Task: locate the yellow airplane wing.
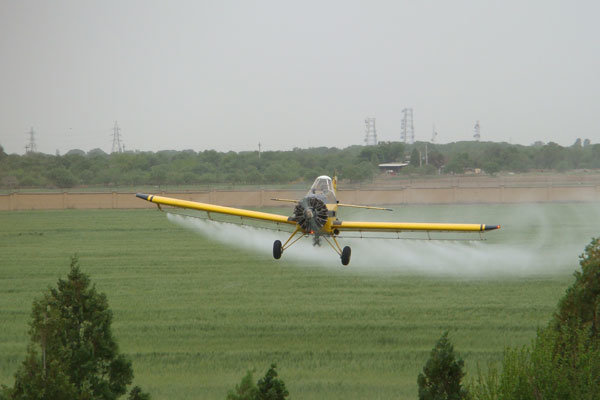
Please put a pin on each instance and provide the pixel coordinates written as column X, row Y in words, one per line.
column 212, row 208
column 410, row 226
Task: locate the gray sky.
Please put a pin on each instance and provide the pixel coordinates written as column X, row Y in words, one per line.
column 226, row 75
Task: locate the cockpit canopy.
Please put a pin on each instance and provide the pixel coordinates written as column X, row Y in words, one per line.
column 323, row 187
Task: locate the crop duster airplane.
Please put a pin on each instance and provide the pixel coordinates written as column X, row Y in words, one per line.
column 316, row 215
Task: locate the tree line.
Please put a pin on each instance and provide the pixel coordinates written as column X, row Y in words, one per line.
column 354, row 164
column 562, row 363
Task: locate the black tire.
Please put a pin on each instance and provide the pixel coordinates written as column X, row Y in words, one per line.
column 346, row 255
column 277, row 250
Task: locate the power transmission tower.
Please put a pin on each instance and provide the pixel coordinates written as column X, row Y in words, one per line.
column 370, row 132
column 477, row 132
column 433, row 134
column 407, row 127
column 117, row 147
column 31, row 147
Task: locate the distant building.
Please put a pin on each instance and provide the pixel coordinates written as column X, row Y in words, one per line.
column 392, row 167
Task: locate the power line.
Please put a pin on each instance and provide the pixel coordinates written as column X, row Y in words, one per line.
column 117, row 146
column 407, row 128
column 31, row 146
column 370, row 132
column 477, row 132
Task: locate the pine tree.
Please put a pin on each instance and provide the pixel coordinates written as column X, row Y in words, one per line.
column 246, row 390
column 72, row 354
column 270, row 387
column 580, row 307
column 442, row 374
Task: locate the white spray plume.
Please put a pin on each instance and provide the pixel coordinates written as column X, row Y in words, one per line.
column 547, row 250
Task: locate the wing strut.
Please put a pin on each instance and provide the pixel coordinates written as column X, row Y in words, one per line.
column 337, row 247
column 286, row 245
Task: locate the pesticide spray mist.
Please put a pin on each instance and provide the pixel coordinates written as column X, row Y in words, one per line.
column 535, row 240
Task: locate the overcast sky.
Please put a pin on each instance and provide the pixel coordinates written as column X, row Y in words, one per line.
column 227, row 75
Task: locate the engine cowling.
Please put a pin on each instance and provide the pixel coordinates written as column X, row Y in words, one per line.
column 311, row 214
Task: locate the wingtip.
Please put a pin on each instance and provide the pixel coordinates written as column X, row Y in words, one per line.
column 491, row 227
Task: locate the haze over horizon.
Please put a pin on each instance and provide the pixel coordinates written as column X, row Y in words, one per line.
column 227, row 75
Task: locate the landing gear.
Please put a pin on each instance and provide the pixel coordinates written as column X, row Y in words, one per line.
column 277, row 250
column 298, row 234
column 346, row 255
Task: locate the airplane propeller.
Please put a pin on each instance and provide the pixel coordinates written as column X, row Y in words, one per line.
column 311, row 214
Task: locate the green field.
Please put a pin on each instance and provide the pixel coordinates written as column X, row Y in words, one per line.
column 195, row 312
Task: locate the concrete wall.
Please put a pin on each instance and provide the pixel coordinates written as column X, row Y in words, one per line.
column 262, row 198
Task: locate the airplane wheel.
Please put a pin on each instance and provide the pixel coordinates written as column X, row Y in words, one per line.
column 346, row 255
column 277, row 250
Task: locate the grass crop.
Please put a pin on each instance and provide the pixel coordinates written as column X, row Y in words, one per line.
column 194, row 313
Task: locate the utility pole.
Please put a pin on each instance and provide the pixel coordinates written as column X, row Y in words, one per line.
column 370, row 132
column 259, row 150
column 31, row 146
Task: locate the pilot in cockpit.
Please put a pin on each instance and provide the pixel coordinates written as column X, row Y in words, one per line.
column 323, row 187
